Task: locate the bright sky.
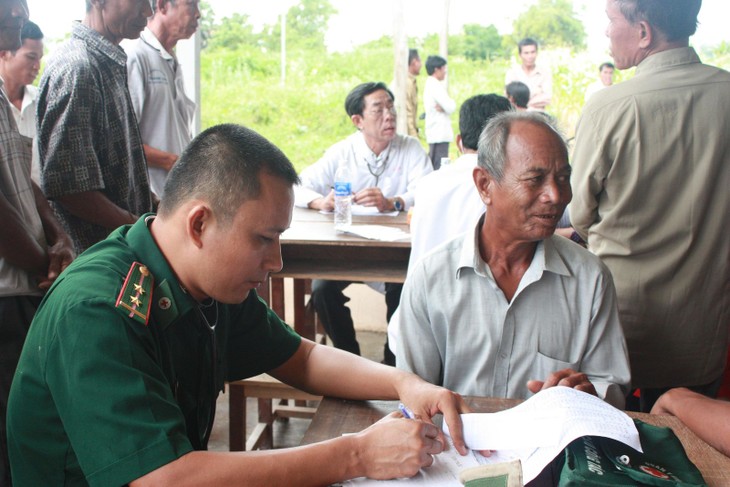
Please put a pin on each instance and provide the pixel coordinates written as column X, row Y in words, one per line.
column 358, row 22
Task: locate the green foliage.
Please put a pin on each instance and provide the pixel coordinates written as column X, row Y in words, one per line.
column 481, row 42
column 206, row 23
column 232, row 33
column 553, row 23
column 306, row 24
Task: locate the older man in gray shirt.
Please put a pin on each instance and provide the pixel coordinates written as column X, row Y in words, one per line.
column 509, row 308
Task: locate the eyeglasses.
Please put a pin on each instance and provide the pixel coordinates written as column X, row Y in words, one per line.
column 380, row 112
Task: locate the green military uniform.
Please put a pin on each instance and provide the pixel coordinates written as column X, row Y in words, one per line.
column 121, row 367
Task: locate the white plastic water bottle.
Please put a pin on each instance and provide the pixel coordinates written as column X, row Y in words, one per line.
column 343, row 198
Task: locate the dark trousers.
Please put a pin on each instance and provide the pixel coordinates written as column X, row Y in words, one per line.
column 649, row 395
column 436, row 152
column 16, row 313
column 330, row 304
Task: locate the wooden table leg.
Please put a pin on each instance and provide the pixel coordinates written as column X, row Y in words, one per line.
column 277, row 296
column 236, row 417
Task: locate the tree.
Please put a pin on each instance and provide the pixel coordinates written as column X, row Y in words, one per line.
column 306, row 24
column 206, row 24
column 552, row 23
column 233, row 32
column 481, row 42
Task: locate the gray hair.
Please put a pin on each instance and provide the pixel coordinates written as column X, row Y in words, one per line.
column 676, row 19
column 492, row 148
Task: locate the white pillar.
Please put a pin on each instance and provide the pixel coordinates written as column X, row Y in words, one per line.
column 400, row 42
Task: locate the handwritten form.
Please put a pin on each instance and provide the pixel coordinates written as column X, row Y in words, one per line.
column 534, row 432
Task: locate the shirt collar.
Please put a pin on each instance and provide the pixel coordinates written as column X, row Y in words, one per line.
column 98, row 43
column 546, row 258
column 363, row 151
column 151, row 40
column 170, row 300
column 668, row 58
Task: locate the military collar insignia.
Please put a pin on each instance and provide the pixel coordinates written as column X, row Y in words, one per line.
column 136, row 293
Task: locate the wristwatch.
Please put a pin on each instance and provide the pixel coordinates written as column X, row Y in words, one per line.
column 398, row 204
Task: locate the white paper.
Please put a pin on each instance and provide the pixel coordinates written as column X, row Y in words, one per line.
column 537, row 430
column 377, row 232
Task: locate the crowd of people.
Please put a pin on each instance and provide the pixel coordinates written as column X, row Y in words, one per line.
column 136, row 249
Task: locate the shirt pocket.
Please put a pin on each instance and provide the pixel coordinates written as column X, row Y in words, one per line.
column 546, row 365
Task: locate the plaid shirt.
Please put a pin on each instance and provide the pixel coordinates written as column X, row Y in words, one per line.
column 88, row 137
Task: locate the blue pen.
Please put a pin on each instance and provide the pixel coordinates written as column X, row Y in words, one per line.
column 407, row 413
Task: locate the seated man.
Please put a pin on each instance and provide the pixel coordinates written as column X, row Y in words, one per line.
column 385, row 167
column 509, row 308
column 118, row 380
column 518, row 93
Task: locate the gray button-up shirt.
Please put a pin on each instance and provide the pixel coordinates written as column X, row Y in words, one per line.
column 458, row 330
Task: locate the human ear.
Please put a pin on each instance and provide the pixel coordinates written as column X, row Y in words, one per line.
column 484, row 183
column 198, row 222
column 357, row 121
column 646, row 35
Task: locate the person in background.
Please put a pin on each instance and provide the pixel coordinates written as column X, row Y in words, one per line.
column 605, row 79
column 537, row 77
column 164, row 111
column 650, row 172
column 130, row 350
column 707, row 418
column 34, row 249
column 385, row 168
column 414, row 69
column 509, row 308
column 18, row 70
column 518, row 93
column 439, row 106
column 92, row 160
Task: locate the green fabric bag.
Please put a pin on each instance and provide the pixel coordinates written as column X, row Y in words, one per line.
column 598, row 461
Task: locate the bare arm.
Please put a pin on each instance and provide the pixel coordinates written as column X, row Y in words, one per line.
column 707, row 418
column 159, row 158
column 324, row 203
column 96, row 208
column 388, row 449
column 17, row 245
column 60, row 247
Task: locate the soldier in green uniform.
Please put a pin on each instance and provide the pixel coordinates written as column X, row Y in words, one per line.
column 122, row 366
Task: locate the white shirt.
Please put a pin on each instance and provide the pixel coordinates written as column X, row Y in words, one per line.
column 395, row 171
column 438, row 123
column 447, row 204
column 540, row 82
column 458, row 330
column 164, row 111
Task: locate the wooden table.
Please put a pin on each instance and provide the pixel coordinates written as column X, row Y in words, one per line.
column 311, row 249
column 337, row 416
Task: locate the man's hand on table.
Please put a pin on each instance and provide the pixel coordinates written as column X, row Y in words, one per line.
column 373, row 197
column 426, row 400
column 396, row 447
column 325, row 203
column 565, row 377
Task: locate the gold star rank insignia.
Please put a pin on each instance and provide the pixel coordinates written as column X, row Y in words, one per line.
column 139, row 282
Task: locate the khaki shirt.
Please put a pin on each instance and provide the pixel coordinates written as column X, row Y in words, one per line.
column 412, row 105
column 651, row 168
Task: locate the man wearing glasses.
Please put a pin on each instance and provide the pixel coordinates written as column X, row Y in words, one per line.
column 384, row 169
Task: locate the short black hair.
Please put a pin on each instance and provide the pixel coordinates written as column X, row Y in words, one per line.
column 31, row 31
column 355, row 101
column 606, row 65
column 676, row 19
column 474, row 114
column 412, row 54
column 434, row 62
column 519, row 92
column 222, row 165
column 527, row 41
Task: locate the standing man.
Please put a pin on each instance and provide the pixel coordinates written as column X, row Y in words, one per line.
column 164, row 111
column 509, row 308
column 34, row 249
column 119, row 377
column 538, row 78
column 439, row 106
column 414, row 69
column 18, row 69
column 92, row 159
column 651, row 172
column 605, row 79
column 385, row 168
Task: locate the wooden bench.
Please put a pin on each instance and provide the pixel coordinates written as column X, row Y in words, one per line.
column 272, row 396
